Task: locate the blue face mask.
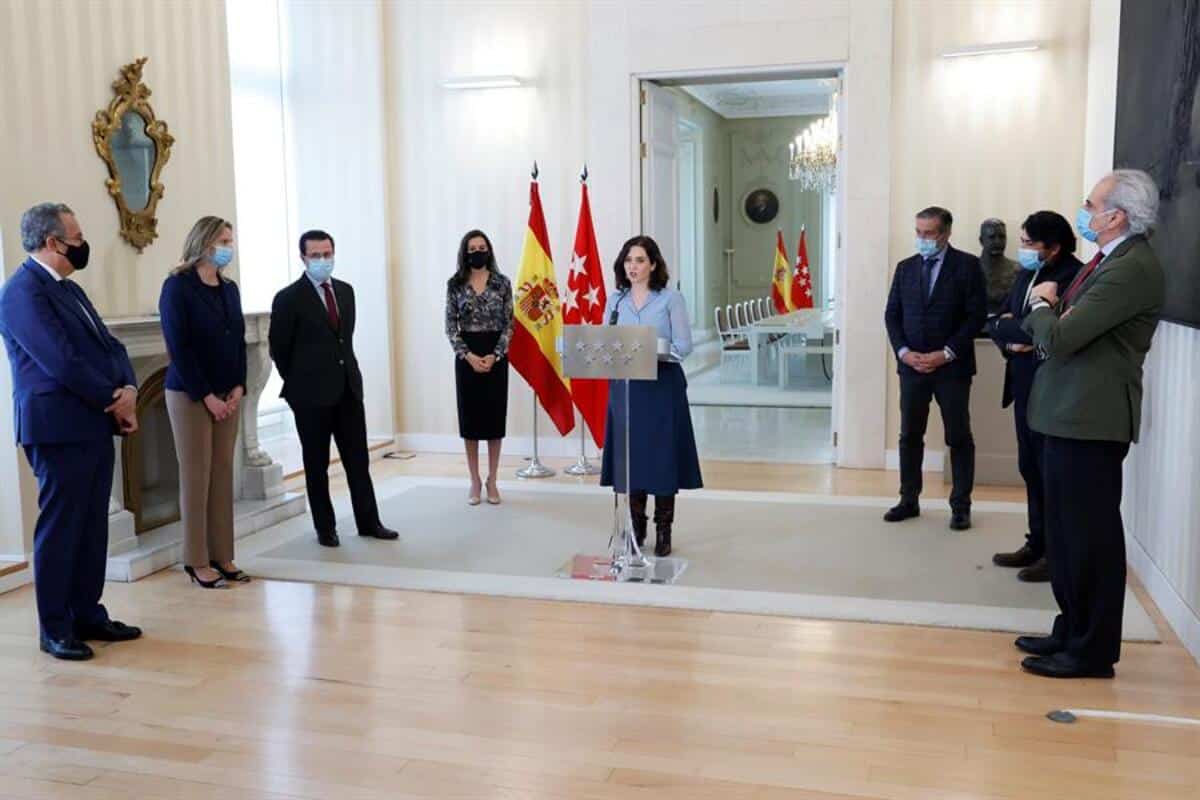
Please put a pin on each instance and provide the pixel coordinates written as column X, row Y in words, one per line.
column 1029, row 259
column 319, row 269
column 927, row 247
column 1083, row 225
column 221, row 256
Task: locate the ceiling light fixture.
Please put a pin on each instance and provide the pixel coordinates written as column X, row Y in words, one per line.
column 993, row 49
column 483, row 82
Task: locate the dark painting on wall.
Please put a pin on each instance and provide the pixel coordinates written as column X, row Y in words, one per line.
column 1158, row 130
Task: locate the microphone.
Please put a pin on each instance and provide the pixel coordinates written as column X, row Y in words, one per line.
column 612, row 318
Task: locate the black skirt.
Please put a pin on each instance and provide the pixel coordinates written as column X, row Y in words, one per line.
column 482, row 396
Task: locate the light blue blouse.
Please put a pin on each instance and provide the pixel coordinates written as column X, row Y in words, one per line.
column 664, row 310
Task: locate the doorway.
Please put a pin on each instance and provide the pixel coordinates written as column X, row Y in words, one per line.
column 717, row 191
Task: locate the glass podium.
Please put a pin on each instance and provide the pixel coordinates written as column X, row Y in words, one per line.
column 621, row 354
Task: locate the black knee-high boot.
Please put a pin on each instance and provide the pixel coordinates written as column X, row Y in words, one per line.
column 664, row 517
column 637, row 510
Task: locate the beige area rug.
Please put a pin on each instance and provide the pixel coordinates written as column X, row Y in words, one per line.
column 761, row 553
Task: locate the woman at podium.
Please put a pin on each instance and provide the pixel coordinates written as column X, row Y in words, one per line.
column 662, row 444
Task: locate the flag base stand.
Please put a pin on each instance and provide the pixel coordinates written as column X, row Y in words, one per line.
column 582, row 467
column 536, row 469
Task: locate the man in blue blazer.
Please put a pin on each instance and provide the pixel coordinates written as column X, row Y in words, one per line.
column 73, row 389
column 937, row 304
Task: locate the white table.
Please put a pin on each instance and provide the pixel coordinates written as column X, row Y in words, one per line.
column 814, row 323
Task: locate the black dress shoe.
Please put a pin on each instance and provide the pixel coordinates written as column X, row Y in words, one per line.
column 960, row 520
column 901, row 512
column 1039, row 645
column 1038, row 572
column 66, row 649
column 1021, row 558
column 381, row 533
column 1061, row 665
column 328, row 539
column 109, row 631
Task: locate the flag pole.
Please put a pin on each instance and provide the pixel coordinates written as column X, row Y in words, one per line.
column 583, row 466
column 535, row 469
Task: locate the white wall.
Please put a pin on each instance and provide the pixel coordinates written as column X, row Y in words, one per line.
column 991, row 136
column 335, row 129
column 309, row 126
column 460, row 159
column 1160, row 505
column 56, row 72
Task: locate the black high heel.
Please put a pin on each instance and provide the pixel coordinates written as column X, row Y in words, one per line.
column 215, row 583
column 237, row 575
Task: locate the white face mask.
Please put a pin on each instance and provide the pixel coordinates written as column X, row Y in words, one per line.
column 319, row 269
column 927, row 248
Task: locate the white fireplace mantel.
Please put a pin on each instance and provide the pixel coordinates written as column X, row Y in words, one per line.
column 258, row 479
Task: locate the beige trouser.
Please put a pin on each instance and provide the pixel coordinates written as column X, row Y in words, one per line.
column 204, row 448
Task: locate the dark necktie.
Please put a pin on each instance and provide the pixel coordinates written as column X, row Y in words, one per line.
column 1073, row 289
column 76, row 292
column 927, row 277
column 331, row 306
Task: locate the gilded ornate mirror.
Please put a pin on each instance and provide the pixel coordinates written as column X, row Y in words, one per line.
column 134, row 145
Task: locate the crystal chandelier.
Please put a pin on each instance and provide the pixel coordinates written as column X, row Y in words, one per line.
column 812, row 156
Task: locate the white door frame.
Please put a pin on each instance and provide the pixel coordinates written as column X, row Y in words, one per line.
column 690, row 279
column 864, row 187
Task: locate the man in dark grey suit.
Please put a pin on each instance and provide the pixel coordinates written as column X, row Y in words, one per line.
column 1087, row 402
column 936, row 306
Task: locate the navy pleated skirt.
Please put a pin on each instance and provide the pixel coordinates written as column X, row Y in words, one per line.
column 661, row 439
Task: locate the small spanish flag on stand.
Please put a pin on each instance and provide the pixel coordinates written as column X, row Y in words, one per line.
column 781, row 278
column 537, row 318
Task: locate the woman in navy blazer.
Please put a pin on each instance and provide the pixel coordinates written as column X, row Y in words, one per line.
column 205, row 331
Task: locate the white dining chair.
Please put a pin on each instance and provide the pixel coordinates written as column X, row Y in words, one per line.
column 735, row 350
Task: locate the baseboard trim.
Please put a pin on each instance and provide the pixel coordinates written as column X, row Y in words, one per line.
column 1179, row 615
column 935, row 460
column 548, row 447
column 14, row 575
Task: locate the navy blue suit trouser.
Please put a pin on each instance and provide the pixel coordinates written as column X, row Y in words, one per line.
column 70, row 541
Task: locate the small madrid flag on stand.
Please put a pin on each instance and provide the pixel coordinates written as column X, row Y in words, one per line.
column 802, row 287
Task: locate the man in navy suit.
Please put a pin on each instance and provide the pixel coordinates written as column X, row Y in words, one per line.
column 73, row 389
column 938, row 302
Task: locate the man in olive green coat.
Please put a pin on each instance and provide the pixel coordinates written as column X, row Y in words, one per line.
column 1087, row 402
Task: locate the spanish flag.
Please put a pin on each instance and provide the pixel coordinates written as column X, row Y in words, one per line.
column 781, row 278
column 537, row 318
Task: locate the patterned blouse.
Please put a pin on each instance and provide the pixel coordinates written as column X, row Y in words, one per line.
column 467, row 312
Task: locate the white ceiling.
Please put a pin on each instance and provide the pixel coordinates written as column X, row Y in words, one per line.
column 786, row 98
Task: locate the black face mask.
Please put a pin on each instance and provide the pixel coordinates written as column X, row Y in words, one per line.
column 478, row 259
column 77, row 254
